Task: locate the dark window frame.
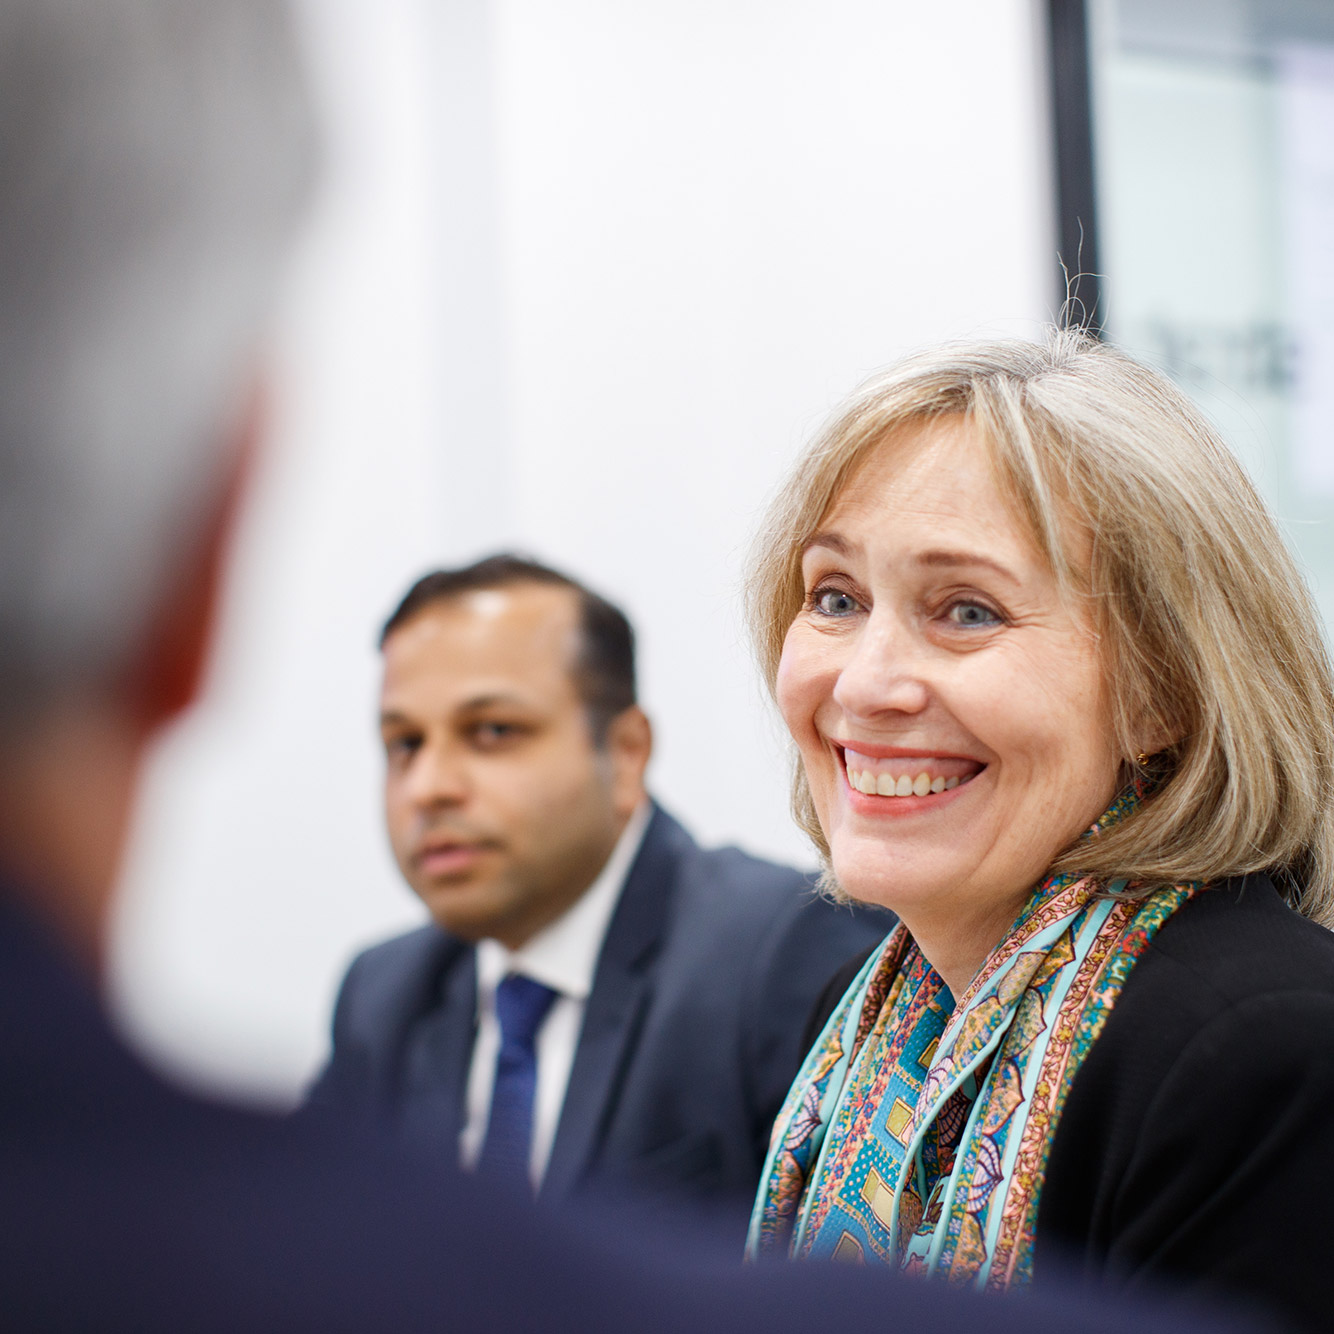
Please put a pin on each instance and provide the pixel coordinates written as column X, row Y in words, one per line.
column 1078, row 276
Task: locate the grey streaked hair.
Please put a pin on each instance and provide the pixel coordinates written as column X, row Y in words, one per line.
column 155, row 156
column 1208, row 632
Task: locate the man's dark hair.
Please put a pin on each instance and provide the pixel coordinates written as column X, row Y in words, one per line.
column 604, row 672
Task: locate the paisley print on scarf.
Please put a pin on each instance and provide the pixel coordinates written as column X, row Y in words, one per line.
column 918, row 1129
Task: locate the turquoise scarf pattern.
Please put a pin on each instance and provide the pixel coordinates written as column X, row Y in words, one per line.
column 917, row 1132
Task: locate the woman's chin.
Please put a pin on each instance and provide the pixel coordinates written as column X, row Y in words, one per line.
column 866, row 876
column 910, row 877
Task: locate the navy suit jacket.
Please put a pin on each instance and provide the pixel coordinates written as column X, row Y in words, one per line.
column 691, row 1036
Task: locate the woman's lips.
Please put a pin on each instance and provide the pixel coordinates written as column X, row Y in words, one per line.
column 902, row 775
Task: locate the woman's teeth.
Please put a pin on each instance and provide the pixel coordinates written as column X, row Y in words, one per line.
column 886, row 785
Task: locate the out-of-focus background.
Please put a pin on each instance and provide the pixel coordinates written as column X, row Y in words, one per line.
column 583, row 278
column 1214, row 172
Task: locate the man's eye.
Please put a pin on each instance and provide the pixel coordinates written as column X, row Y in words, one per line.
column 494, row 734
column 971, row 614
column 401, row 747
column 834, row 602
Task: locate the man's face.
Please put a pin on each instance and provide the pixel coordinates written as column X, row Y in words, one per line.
column 500, row 809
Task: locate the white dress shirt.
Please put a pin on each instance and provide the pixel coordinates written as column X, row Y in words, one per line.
column 564, row 957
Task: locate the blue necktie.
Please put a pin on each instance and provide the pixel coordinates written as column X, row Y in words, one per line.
column 521, row 1005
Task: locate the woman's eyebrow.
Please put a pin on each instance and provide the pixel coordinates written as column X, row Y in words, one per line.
column 936, row 558
column 951, row 559
column 831, row 541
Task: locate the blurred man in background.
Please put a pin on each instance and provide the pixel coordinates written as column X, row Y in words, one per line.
column 601, row 1005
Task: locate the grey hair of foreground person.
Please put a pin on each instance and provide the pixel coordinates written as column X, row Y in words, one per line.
column 154, row 162
column 1208, row 634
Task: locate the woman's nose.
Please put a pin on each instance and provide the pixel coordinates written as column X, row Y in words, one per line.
column 884, row 673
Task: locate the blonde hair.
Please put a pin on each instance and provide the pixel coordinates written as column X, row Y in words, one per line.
column 1207, row 631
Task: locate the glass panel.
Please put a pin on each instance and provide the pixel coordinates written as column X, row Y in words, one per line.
column 1214, row 160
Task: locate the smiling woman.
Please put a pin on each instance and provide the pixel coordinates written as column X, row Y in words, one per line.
column 1061, row 702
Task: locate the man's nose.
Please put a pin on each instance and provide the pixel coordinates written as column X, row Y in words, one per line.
column 885, row 672
column 438, row 777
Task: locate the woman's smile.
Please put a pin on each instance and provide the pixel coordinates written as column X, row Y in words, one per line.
column 898, row 775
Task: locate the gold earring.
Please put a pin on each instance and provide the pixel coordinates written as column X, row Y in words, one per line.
column 1142, row 759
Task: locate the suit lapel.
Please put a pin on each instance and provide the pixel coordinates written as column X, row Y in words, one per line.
column 437, row 1054
column 622, row 989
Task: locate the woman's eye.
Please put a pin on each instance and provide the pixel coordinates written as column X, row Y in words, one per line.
column 972, row 614
column 834, row 602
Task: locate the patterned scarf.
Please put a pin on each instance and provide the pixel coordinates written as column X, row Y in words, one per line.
column 917, row 1131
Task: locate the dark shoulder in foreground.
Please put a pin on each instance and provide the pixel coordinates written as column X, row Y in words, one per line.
column 1197, row 1144
column 133, row 1207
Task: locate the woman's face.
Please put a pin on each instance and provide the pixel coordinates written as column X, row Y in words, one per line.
column 936, row 659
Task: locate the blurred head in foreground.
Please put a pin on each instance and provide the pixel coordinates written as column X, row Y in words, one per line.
column 156, row 155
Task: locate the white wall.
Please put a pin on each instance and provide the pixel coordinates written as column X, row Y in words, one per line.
column 585, row 276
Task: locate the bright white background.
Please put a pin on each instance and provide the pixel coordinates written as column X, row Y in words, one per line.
column 584, row 276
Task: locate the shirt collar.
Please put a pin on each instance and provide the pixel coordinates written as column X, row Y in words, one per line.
column 564, row 955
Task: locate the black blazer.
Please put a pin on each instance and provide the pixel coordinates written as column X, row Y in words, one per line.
column 690, row 1039
column 1197, row 1144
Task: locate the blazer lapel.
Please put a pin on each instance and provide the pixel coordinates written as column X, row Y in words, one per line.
column 616, row 1005
column 436, row 1057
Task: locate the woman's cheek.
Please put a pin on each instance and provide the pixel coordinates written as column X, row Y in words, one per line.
column 797, row 687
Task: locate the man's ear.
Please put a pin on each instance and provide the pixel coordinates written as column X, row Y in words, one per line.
column 629, row 744
column 166, row 672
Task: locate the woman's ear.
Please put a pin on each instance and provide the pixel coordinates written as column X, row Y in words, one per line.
column 1153, row 738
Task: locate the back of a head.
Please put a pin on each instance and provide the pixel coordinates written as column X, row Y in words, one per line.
column 154, row 158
